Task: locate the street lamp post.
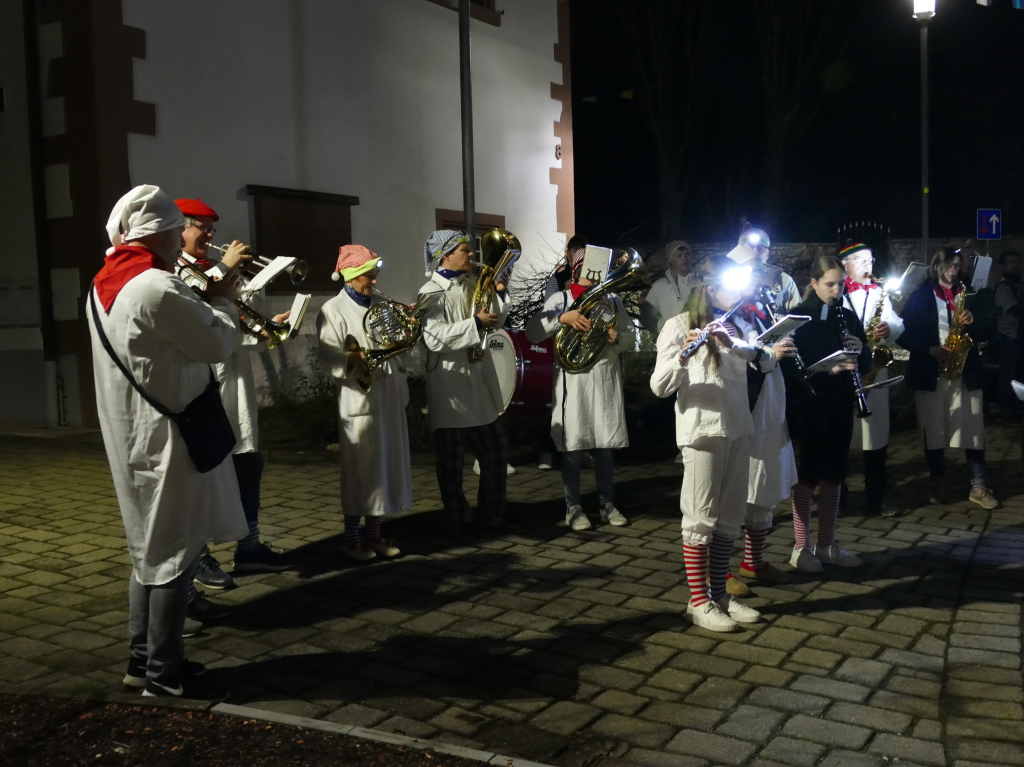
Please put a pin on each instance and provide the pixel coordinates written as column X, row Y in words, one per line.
column 924, row 10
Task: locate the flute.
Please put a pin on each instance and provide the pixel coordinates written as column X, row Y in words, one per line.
column 691, row 348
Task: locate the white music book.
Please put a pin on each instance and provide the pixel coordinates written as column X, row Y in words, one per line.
column 827, row 363
column 298, row 312
column 595, row 263
column 268, row 273
column 782, row 329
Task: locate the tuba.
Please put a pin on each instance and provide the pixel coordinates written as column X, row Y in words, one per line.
column 499, row 250
column 394, row 327
column 881, row 355
column 578, row 350
column 957, row 342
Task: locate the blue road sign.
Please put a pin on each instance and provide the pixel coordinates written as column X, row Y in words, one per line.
column 990, row 224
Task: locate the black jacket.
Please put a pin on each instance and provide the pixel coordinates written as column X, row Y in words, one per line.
column 816, row 340
column 921, row 333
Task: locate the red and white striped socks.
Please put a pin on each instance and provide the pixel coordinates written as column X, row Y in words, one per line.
column 803, row 496
column 828, row 510
column 753, row 549
column 696, row 559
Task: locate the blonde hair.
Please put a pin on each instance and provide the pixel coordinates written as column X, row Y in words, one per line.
column 698, row 306
column 942, row 260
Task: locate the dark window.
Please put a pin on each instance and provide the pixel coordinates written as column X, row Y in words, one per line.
column 481, row 10
column 455, row 219
column 307, row 225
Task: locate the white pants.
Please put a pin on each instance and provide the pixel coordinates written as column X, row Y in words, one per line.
column 714, row 493
column 872, row 433
column 759, row 517
column 950, row 416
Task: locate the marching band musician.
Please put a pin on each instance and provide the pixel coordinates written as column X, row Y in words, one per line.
column 949, row 407
column 238, row 393
column 863, row 296
column 826, row 428
column 668, row 295
column 167, row 337
column 463, row 396
column 588, row 413
column 713, row 429
column 760, row 245
column 376, row 474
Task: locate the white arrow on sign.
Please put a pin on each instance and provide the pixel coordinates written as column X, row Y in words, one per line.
column 994, row 220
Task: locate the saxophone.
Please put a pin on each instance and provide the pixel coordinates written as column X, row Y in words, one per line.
column 881, row 355
column 958, row 343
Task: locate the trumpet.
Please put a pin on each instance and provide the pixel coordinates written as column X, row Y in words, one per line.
column 297, row 271
column 253, row 323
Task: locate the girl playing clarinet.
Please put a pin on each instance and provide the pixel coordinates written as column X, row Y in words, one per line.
column 826, row 423
column 713, row 430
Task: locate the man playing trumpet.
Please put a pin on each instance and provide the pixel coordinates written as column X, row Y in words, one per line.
column 376, row 475
column 238, row 392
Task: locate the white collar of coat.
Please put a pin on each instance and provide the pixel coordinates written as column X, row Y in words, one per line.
column 445, row 283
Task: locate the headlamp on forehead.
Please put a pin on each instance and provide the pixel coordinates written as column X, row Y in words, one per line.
column 757, row 238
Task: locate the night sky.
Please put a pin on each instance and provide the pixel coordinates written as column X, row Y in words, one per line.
column 859, row 159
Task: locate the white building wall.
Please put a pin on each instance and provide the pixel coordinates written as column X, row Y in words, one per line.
column 354, row 97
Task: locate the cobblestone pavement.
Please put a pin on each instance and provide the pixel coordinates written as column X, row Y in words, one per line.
column 566, row 648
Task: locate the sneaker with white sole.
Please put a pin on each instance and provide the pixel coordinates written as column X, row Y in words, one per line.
column 361, row 553
column 982, row 496
column 837, row 555
column 805, row 561
column 738, row 611
column 612, row 516
column 262, row 558
column 385, row 547
column 181, row 686
column 576, row 519
column 135, row 676
column 210, row 574
column 545, row 462
column 509, row 468
column 710, row 616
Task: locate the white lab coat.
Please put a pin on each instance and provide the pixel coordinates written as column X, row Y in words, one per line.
column 168, row 338
column 376, row 474
column 872, row 433
column 460, row 394
column 668, row 295
column 709, row 402
column 589, row 410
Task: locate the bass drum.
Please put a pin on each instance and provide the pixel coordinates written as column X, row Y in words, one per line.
column 526, row 372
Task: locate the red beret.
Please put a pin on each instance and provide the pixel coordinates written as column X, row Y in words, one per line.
column 196, row 209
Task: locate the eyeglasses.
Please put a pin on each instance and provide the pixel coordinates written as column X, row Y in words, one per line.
column 201, row 227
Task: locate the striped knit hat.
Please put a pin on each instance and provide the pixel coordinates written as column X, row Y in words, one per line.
column 850, row 251
column 354, row 261
column 439, row 244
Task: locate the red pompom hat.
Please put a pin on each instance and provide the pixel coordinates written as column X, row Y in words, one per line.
column 196, row 209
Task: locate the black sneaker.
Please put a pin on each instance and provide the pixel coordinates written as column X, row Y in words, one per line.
column 262, row 558
column 135, row 677
column 180, row 686
column 209, row 573
column 192, row 628
column 202, row 609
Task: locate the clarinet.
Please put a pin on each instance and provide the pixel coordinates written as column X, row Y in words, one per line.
column 764, row 296
column 862, row 400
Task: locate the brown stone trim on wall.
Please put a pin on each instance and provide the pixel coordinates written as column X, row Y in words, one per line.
column 564, row 178
column 481, row 12
column 456, row 219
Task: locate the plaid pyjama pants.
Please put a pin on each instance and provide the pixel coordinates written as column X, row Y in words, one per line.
column 490, row 446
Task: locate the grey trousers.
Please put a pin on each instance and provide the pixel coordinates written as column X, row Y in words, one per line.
column 156, row 621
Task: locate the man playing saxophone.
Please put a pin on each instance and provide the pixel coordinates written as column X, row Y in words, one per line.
column 238, row 391
column 463, row 393
column 883, row 327
column 589, row 411
column 946, row 376
column 376, row 474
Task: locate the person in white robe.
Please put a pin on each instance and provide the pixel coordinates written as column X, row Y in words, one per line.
column 463, row 393
column 864, row 297
column 589, row 410
column 168, row 338
column 373, row 432
column 668, row 294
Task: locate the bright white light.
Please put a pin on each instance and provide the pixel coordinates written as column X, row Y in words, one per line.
column 893, row 284
column 924, row 9
column 736, row 280
column 754, row 239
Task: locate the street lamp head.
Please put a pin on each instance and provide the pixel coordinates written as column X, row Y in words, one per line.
column 924, row 9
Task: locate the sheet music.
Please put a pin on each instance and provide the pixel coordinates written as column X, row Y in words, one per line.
column 298, row 312
column 595, row 263
column 827, row 363
column 268, row 273
column 782, row 329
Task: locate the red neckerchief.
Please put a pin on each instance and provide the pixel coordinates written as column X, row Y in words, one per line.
column 946, row 294
column 852, row 287
column 749, row 311
column 125, row 263
column 576, row 289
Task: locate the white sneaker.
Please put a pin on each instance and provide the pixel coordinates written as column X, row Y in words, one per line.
column 576, row 519
column 837, row 555
column 612, row 516
column 805, row 561
column 509, row 468
column 545, row 462
column 738, row 611
column 710, row 616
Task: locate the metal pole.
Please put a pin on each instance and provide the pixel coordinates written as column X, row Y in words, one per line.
column 468, row 185
column 924, row 140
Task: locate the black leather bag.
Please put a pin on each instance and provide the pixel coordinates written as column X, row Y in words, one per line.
column 203, row 424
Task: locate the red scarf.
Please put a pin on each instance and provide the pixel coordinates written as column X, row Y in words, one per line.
column 853, row 287
column 946, row 294
column 576, row 289
column 125, row 263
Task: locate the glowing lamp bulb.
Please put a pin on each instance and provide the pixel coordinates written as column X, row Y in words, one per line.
column 924, row 9
column 736, row 280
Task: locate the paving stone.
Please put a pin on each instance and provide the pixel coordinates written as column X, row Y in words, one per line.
column 983, row 657
column 791, row 751
column 831, row 688
column 632, row 730
column 565, row 718
column 751, row 723
column 805, row 656
column 645, row 757
column 781, row 638
column 763, row 675
column 786, row 700
column 681, row 715
column 619, row 702
column 720, row 749
column 955, row 687
column 908, row 749
column 836, row 734
column 864, row 672
column 866, row 716
column 718, row 693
